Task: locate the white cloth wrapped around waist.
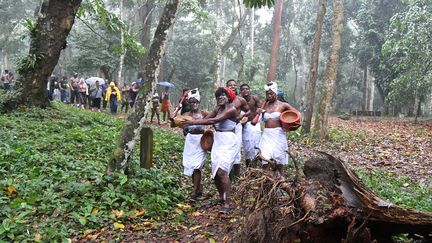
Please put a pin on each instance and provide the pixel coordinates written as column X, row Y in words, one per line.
column 274, row 145
column 223, row 151
column 238, row 132
column 251, row 139
column 193, row 154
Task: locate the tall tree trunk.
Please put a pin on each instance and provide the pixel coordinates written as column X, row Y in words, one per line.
column 295, row 80
column 146, row 14
column 371, row 92
column 122, row 46
column 48, row 38
column 252, row 33
column 240, row 50
column 365, row 88
column 416, row 105
column 321, row 121
column 223, row 49
column 271, row 75
column 135, row 121
column 215, row 69
column 313, row 69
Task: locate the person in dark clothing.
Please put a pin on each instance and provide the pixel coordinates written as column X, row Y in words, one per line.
column 74, row 88
column 63, row 86
column 105, row 87
column 133, row 92
column 52, row 85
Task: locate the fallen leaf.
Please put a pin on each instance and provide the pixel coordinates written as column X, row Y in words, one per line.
column 196, row 214
column 184, row 207
column 144, row 226
column 118, row 226
column 11, row 190
column 226, row 239
column 118, row 213
column 95, row 211
column 37, row 237
column 195, row 227
column 406, row 184
column 138, row 213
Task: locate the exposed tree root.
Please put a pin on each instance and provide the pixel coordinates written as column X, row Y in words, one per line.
column 327, row 204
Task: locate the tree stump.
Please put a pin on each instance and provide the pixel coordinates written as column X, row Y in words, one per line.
column 329, row 204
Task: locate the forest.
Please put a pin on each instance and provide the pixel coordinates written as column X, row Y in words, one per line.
column 358, row 72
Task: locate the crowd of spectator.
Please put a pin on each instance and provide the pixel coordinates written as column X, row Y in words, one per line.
column 92, row 93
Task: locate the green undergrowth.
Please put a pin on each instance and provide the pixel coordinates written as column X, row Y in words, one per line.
column 399, row 190
column 53, row 184
column 394, row 188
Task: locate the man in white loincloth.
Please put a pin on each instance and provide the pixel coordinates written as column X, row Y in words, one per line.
column 243, row 109
column 251, row 133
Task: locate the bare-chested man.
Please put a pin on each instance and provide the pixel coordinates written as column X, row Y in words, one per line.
column 243, row 109
column 251, row 134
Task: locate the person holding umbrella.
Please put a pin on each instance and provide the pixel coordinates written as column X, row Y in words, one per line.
column 166, row 104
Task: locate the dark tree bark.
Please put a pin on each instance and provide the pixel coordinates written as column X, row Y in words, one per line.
column 48, row 38
column 324, row 105
column 313, row 70
column 271, row 75
column 135, row 121
column 107, row 72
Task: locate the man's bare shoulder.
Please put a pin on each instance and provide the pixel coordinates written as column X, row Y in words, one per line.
column 241, row 99
column 255, row 97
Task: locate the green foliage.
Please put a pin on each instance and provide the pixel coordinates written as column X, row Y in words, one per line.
column 259, row 3
column 409, row 49
column 55, row 186
column 112, row 23
column 28, row 62
column 9, row 99
column 30, row 26
column 193, row 6
column 398, row 190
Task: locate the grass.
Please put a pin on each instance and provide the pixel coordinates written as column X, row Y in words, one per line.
column 55, row 187
column 399, row 190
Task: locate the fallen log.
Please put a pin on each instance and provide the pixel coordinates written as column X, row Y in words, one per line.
column 326, row 204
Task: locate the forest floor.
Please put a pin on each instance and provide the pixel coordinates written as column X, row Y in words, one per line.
column 398, row 148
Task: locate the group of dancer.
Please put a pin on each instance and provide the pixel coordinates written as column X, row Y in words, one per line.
column 233, row 122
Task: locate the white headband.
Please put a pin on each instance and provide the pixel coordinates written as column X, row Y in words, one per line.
column 195, row 95
column 271, row 86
